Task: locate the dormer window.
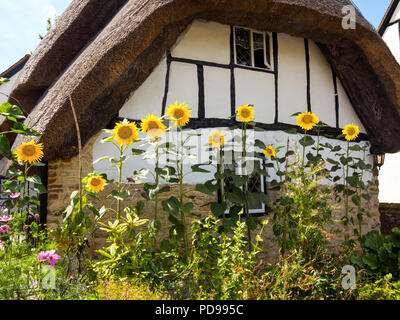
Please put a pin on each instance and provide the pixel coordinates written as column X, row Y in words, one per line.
column 252, row 48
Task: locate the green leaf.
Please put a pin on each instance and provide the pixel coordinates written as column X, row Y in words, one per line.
column 218, row 209
column 171, row 206
column 20, row 128
column 5, row 148
column 306, row 141
column 137, row 152
column 119, row 195
column 196, row 168
column 260, row 144
column 236, row 196
column 371, row 260
column 187, row 207
column 204, row 189
column 291, row 131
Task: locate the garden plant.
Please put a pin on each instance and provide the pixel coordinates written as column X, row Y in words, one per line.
column 175, row 251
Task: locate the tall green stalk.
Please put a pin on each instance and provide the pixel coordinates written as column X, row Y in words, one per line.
column 179, row 163
column 346, row 193
column 121, row 152
column 246, row 185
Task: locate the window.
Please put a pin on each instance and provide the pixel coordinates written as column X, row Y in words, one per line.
column 255, row 184
column 252, row 48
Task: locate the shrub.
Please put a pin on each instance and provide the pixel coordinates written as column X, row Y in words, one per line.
column 381, row 254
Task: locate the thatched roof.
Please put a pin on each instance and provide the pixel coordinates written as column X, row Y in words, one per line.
column 101, row 50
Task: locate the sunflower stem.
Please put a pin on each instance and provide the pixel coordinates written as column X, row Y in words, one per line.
column 121, row 151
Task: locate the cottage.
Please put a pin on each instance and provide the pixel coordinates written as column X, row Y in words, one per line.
column 126, row 59
column 389, row 176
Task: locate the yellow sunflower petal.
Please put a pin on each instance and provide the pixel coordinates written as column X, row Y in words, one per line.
column 96, row 183
column 29, row 152
column 269, row 151
column 179, row 113
column 307, row 120
column 125, row 133
column 351, row 132
column 245, row 113
column 217, row 139
column 153, row 126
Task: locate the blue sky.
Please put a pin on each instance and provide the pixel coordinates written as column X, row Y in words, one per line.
column 22, row 21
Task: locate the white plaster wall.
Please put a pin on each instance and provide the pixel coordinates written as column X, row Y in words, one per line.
column 392, row 39
column 210, row 41
column 148, row 97
column 322, row 87
column 201, row 155
column 292, row 77
column 347, row 114
column 217, row 83
column 396, row 14
column 256, row 88
column 389, row 179
column 183, row 86
column 204, row 40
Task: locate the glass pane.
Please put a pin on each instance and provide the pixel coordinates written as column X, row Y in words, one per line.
column 243, row 47
column 255, row 186
column 259, row 50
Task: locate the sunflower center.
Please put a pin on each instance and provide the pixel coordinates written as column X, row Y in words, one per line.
column 351, row 131
column 308, row 119
column 152, row 125
column 29, row 150
column 95, row 182
column 125, row 132
column 178, row 113
column 216, row 138
column 245, row 113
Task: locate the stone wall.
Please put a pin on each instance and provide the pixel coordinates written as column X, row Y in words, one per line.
column 390, row 216
column 64, row 179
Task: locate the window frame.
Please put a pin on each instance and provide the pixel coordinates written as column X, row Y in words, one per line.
column 270, row 66
column 263, row 209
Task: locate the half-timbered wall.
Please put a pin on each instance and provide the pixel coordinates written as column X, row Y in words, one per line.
column 392, row 34
column 201, row 71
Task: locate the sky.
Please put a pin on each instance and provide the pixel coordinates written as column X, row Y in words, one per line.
column 23, row 20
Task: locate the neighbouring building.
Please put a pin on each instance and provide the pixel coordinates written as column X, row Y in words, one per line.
column 389, row 178
column 125, row 59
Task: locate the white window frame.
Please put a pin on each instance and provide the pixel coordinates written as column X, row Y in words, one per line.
column 270, row 66
column 262, row 179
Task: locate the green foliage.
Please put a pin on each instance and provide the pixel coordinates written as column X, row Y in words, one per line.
column 382, row 289
column 381, row 254
column 302, row 212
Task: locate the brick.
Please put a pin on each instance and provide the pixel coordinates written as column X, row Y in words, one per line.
column 52, row 174
column 52, row 197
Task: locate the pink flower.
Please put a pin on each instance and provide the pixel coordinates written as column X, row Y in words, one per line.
column 43, row 256
column 50, row 256
column 15, row 195
column 4, row 229
column 53, row 257
column 6, row 218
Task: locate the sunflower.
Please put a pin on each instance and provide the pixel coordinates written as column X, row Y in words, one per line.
column 351, row 132
column 96, row 183
column 307, row 120
column 179, row 113
column 153, row 126
column 217, row 139
column 29, row 152
column 125, row 132
column 269, row 151
column 245, row 113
